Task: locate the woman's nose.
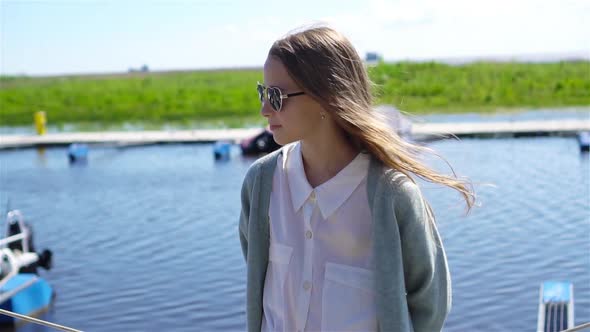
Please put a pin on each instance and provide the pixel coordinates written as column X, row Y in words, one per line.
column 266, row 109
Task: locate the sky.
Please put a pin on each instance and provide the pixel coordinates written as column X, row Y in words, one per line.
column 81, row 37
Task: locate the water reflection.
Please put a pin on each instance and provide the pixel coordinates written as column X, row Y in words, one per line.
column 41, row 157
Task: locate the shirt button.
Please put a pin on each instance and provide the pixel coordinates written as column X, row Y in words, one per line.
column 307, row 285
column 312, row 196
column 308, row 234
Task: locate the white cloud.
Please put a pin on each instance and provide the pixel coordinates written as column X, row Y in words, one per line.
column 450, row 28
column 402, row 11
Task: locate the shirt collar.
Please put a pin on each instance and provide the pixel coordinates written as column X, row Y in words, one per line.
column 331, row 194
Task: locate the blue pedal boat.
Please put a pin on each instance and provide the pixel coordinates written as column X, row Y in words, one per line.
column 556, row 306
column 22, row 289
column 25, row 294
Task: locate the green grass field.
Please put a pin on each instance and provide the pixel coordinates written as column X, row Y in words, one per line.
column 228, row 97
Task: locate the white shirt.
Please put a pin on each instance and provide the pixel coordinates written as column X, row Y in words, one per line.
column 319, row 273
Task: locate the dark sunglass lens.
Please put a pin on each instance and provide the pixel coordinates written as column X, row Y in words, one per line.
column 274, row 96
column 260, row 89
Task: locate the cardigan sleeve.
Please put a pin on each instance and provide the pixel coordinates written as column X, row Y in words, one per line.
column 426, row 273
column 251, row 183
column 245, row 210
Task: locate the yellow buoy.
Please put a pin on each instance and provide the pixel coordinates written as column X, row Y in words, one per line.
column 40, row 122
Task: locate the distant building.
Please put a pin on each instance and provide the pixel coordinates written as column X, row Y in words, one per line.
column 373, row 57
column 143, row 69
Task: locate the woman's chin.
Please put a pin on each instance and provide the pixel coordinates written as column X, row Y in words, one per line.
column 281, row 139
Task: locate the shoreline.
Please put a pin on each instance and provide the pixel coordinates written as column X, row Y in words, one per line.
column 250, row 122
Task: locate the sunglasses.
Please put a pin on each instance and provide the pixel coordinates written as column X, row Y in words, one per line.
column 274, row 96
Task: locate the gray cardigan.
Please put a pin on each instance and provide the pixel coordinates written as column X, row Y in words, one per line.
column 412, row 282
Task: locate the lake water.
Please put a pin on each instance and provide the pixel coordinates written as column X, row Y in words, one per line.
column 145, row 238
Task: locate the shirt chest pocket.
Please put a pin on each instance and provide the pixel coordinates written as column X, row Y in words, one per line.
column 348, row 299
column 279, row 257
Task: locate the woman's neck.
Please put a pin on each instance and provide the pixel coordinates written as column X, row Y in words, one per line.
column 326, row 155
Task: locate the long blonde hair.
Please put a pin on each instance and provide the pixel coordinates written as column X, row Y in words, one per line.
column 327, row 67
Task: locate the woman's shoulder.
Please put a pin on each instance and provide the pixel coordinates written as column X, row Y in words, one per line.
column 394, row 181
column 399, row 187
column 267, row 161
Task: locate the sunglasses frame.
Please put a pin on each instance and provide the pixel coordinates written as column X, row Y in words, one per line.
column 263, row 95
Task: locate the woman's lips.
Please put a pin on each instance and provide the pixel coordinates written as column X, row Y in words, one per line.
column 273, row 127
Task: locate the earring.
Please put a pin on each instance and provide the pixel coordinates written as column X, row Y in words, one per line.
column 323, row 115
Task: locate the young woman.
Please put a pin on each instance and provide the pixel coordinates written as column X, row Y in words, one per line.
column 335, row 232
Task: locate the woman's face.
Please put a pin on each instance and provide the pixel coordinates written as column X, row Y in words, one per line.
column 299, row 116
